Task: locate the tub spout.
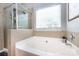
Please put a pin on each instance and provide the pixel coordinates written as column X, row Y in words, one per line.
column 46, row 41
column 64, row 39
column 72, row 37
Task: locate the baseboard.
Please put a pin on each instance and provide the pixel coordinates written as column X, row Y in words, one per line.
column 4, row 49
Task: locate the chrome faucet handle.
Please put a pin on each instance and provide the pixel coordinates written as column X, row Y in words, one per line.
column 72, row 36
column 46, row 41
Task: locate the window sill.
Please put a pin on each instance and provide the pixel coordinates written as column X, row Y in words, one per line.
column 50, row 29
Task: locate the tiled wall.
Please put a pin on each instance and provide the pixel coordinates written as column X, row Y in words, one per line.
column 1, row 30
column 75, row 39
column 73, row 28
column 50, row 33
column 15, row 36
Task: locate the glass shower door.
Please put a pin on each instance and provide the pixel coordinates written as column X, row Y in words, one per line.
column 23, row 17
column 10, row 14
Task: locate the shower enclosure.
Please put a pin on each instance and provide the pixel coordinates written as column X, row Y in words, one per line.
column 17, row 16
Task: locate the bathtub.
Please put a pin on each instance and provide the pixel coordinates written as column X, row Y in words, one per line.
column 46, row 46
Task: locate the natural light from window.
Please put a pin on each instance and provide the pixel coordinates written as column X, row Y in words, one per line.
column 49, row 17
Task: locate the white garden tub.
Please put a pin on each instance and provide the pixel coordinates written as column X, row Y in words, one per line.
column 47, row 46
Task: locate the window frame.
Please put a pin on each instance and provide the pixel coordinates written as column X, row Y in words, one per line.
column 47, row 29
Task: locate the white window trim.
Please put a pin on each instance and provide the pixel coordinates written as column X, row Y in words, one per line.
column 46, row 29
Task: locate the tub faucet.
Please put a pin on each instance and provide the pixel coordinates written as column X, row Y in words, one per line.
column 72, row 37
column 65, row 39
column 46, row 41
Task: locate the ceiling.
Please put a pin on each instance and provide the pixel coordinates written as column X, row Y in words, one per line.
column 3, row 5
column 34, row 5
column 38, row 5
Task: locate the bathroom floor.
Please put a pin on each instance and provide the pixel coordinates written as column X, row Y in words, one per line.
column 3, row 54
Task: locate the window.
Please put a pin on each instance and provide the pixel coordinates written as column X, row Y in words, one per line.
column 49, row 17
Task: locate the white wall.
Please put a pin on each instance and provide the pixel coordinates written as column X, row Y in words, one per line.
column 73, row 26
column 63, row 17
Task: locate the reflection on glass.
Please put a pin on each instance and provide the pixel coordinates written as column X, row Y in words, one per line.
column 23, row 17
column 14, row 18
column 23, row 20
